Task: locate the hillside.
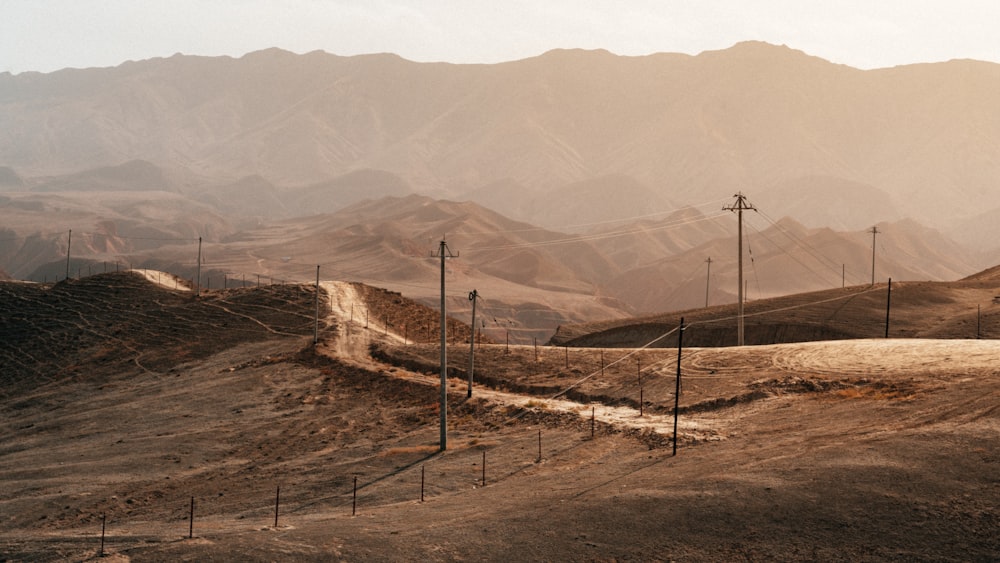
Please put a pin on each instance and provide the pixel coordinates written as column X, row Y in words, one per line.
column 532, row 279
column 222, row 407
column 965, row 309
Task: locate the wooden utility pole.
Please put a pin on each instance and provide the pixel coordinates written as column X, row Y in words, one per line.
column 444, row 253
column 197, row 283
column 708, row 278
column 874, row 232
column 888, row 300
column 739, row 206
column 69, row 243
column 316, row 330
column 473, row 296
column 677, row 388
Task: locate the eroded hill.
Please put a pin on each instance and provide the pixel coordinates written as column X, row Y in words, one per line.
column 860, row 449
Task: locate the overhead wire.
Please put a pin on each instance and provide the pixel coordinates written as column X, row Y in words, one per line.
column 599, row 236
column 634, row 351
column 681, row 285
column 571, row 226
column 790, row 255
column 753, row 266
column 804, row 244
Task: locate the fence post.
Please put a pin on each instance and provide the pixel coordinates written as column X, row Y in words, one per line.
column 277, row 497
column 677, row 390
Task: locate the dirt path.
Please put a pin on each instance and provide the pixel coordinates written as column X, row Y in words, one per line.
column 353, row 341
column 163, row 279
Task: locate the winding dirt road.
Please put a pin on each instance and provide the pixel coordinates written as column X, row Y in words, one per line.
column 353, row 342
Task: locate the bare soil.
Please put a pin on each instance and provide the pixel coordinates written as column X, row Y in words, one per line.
column 963, row 309
column 124, row 399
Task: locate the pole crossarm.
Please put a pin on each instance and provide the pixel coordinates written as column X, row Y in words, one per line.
column 739, row 206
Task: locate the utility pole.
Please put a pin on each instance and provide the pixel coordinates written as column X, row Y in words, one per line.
column 197, row 283
column 316, row 331
column 874, row 232
column 739, row 206
column 444, row 253
column 473, row 296
column 888, row 300
column 69, row 242
column 677, row 388
column 708, row 277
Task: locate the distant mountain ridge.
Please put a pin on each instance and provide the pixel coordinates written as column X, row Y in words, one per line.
column 919, row 139
column 578, row 184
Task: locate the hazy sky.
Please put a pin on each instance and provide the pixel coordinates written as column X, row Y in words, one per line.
column 47, row 35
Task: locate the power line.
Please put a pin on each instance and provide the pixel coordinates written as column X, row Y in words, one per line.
column 790, row 255
column 597, row 236
column 804, row 244
column 571, row 226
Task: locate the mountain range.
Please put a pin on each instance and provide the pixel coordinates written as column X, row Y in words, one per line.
column 576, row 184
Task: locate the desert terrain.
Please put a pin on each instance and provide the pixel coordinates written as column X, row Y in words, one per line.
column 127, row 400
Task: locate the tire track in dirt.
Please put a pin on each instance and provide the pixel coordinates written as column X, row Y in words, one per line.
column 353, row 345
column 734, row 367
column 848, row 358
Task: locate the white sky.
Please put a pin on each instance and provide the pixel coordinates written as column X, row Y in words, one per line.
column 46, row 35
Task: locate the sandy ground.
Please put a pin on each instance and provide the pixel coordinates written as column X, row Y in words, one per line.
column 163, row 279
column 861, row 450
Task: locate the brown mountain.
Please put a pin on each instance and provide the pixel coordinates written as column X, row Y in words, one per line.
column 535, row 279
column 9, row 178
column 782, row 257
column 609, row 173
column 755, row 117
column 530, row 279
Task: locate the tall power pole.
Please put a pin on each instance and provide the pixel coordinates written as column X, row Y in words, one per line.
column 197, row 274
column 473, row 296
column 69, row 242
column 874, row 232
column 444, row 253
column 708, row 277
column 316, row 329
column 739, row 206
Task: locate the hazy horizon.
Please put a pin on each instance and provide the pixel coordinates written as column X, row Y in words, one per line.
column 49, row 35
